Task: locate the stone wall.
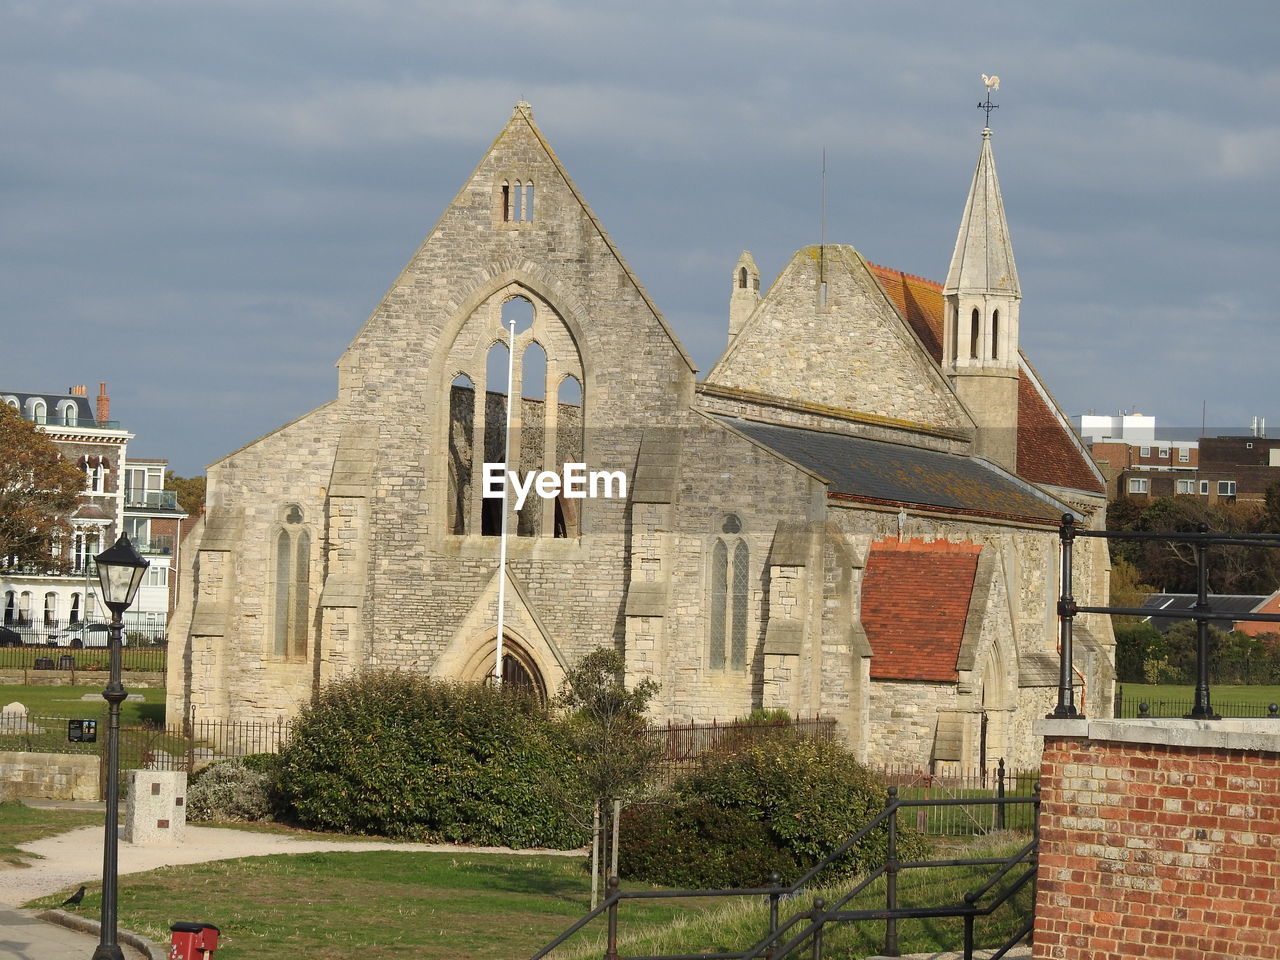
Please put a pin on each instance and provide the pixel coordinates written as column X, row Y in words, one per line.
column 1159, row 839
column 57, row 776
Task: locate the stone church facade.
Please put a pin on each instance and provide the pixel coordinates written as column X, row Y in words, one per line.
column 853, row 514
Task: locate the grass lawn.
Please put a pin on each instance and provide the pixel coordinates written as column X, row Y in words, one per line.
column 1223, row 697
column 373, row 905
column 22, row 824
column 734, row 926
column 43, row 700
column 379, row 905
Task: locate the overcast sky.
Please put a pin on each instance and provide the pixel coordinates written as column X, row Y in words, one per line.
column 201, row 203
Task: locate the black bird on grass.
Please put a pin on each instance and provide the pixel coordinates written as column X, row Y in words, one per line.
column 74, row 899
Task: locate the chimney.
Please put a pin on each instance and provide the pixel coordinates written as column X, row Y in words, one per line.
column 104, row 403
column 80, row 390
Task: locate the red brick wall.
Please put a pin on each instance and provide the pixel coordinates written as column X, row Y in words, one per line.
column 1159, row 852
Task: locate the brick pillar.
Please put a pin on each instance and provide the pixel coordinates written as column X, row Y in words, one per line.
column 1159, row 839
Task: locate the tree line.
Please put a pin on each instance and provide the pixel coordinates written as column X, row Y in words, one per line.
column 1171, row 567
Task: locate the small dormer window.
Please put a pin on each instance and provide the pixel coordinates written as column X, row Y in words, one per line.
column 39, row 412
column 67, row 413
column 742, row 278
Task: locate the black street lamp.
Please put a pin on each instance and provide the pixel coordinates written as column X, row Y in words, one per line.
column 120, row 571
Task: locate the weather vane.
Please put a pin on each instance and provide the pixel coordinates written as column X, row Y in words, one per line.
column 993, row 83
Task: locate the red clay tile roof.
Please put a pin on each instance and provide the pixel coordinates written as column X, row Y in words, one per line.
column 917, row 299
column 1046, row 452
column 915, row 600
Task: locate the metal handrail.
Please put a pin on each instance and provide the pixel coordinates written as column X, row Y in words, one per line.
column 1201, row 539
column 820, row 915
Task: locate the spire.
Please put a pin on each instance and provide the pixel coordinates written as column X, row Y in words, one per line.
column 983, row 258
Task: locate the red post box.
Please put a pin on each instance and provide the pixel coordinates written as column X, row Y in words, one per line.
column 192, row 941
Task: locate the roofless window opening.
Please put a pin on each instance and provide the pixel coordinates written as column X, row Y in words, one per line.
column 517, row 201
column 569, row 449
column 533, row 434
column 495, row 433
column 462, row 416
column 974, row 324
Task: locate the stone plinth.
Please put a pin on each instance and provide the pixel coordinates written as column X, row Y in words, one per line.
column 1159, row 838
column 156, row 808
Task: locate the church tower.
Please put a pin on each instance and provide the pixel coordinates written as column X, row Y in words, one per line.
column 746, row 294
column 980, row 339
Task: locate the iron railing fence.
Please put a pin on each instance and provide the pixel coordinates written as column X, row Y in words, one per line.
column 180, row 746
column 685, row 744
column 955, row 820
column 802, row 933
column 1200, row 541
column 144, row 658
column 1172, row 707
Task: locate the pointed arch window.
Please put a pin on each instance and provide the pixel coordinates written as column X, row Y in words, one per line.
column 543, row 380
column 729, row 608
column 291, row 586
column 995, row 335
column 975, row 324
column 742, row 278
column 462, row 409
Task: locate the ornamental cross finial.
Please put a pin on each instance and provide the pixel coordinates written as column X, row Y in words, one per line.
column 993, row 83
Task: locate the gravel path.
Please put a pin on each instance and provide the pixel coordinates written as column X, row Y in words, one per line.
column 73, row 858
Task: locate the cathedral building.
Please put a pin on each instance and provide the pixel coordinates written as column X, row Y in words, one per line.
column 854, row 513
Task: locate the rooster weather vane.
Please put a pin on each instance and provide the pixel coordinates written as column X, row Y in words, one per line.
column 993, row 83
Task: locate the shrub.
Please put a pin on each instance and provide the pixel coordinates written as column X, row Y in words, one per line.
column 698, row 845
column 402, row 755
column 229, row 790
column 805, row 797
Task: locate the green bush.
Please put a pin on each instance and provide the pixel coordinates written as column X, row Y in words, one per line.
column 402, row 755
column 805, row 798
column 697, row 845
column 229, row 790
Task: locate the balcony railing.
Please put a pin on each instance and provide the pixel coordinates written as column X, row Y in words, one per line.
column 152, row 499
column 162, row 545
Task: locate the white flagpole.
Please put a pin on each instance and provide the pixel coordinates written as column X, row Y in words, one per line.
column 506, row 466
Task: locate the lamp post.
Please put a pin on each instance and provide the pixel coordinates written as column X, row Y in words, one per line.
column 120, row 571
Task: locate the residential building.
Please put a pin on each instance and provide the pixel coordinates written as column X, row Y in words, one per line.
column 119, row 495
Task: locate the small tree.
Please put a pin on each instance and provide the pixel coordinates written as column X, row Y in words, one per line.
column 38, row 491
column 615, row 754
column 190, row 490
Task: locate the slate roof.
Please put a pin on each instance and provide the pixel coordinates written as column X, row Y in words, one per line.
column 84, row 412
column 1218, row 603
column 915, row 601
column 1047, row 453
column 858, row 468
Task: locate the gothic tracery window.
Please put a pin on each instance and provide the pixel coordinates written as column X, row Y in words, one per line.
column 730, row 580
column 292, row 586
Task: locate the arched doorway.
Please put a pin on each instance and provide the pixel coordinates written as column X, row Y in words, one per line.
column 519, row 667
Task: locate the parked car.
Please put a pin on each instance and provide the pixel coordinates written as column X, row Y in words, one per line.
column 10, row 638
column 83, row 635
